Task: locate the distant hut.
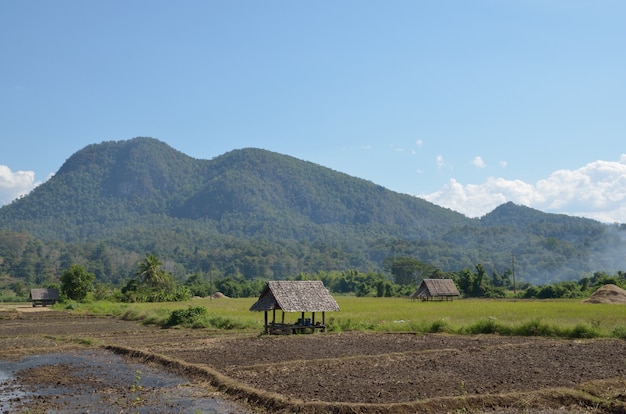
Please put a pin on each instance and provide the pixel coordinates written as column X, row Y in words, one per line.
column 44, row 296
column 441, row 289
column 295, row 296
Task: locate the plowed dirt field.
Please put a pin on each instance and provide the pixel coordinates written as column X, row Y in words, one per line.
column 334, row 372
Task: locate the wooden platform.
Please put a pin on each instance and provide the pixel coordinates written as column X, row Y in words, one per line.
column 288, row 329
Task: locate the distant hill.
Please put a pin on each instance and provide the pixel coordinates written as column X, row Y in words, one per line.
column 257, row 213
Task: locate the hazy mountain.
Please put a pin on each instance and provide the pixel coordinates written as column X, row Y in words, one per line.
column 286, row 215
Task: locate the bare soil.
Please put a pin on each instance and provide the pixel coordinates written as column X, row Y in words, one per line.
column 336, row 373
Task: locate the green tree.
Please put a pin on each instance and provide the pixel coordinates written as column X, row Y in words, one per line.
column 152, row 284
column 76, row 282
column 150, row 272
column 407, row 270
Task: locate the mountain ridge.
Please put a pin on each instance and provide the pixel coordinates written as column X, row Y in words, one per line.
column 142, row 195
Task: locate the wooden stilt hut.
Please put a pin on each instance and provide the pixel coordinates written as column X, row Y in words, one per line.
column 442, row 289
column 44, row 296
column 295, row 296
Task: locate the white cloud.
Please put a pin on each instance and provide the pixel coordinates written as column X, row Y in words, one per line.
column 596, row 190
column 440, row 163
column 478, row 162
column 15, row 184
column 419, row 143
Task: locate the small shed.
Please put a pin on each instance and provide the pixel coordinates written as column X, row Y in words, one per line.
column 440, row 289
column 295, row 296
column 43, row 296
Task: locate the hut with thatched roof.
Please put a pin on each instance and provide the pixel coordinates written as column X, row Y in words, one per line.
column 441, row 289
column 295, row 296
column 43, row 296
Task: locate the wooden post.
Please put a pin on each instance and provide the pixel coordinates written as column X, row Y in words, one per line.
column 267, row 329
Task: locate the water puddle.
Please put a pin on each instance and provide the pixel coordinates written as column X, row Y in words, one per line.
column 100, row 381
column 7, row 393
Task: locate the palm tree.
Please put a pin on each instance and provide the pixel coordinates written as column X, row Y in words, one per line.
column 150, row 271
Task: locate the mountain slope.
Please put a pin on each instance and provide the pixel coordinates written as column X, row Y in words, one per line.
column 255, row 184
column 257, row 213
column 252, row 192
column 103, row 188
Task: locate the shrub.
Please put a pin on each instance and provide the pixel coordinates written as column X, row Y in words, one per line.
column 619, row 332
column 583, row 331
column 222, row 322
column 488, row 326
column 187, row 317
column 535, row 328
column 439, row 326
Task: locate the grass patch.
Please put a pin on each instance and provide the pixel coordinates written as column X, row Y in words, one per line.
column 84, row 341
column 198, row 317
column 568, row 318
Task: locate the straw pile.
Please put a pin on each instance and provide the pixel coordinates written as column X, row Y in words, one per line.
column 608, row 294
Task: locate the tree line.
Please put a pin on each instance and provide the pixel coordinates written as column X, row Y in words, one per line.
column 151, row 283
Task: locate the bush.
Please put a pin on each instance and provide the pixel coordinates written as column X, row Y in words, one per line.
column 488, row 326
column 619, row 332
column 222, row 322
column 187, row 317
column 535, row 328
column 439, row 326
column 583, row 331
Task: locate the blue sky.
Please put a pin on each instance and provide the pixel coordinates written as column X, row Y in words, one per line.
column 468, row 104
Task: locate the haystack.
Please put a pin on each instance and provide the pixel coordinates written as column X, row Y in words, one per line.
column 608, row 294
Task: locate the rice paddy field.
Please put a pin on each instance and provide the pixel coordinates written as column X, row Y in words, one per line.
column 464, row 316
column 380, row 355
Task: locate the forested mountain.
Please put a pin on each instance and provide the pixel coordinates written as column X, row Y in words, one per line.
column 254, row 213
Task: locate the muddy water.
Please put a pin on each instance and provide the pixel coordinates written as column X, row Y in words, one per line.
column 102, row 382
column 7, row 393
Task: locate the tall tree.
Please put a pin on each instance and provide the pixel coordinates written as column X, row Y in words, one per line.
column 76, row 282
column 407, row 270
column 150, row 272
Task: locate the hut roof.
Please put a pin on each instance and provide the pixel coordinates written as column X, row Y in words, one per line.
column 436, row 287
column 44, row 294
column 295, row 296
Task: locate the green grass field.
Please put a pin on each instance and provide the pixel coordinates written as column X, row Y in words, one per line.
column 562, row 318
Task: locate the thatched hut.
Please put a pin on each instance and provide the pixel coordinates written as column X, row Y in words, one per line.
column 43, row 296
column 295, row 296
column 441, row 289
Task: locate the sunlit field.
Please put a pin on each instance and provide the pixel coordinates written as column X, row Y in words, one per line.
column 396, row 314
column 569, row 318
